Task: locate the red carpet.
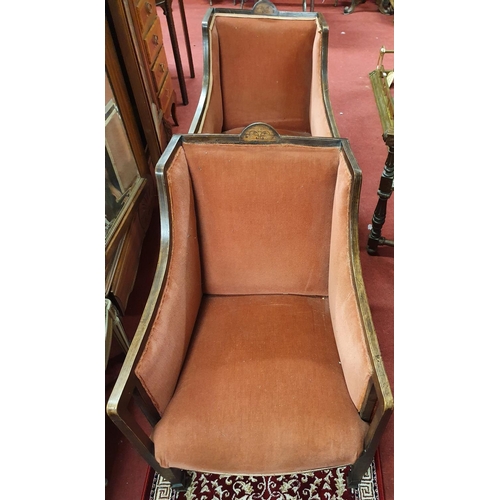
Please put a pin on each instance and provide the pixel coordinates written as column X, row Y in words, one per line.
column 354, row 44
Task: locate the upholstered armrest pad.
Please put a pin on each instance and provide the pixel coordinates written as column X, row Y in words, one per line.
column 347, row 321
column 161, row 361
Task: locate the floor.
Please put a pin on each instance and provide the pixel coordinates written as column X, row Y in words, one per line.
column 354, row 43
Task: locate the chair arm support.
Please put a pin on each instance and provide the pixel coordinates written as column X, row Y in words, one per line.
column 141, row 442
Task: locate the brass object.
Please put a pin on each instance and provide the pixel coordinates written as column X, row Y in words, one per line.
column 264, row 7
column 259, row 132
column 382, row 80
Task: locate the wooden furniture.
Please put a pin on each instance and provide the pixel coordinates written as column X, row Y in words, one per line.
column 166, row 6
column 256, row 352
column 384, row 6
column 382, row 81
column 138, row 100
column 128, row 185
column 136, row 27
column 283, row 80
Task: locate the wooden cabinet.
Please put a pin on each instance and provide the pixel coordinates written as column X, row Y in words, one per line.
column 157, row 58
column 136, row 31
column 138, row 102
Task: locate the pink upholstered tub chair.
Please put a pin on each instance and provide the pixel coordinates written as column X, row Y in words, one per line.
column 256, row 353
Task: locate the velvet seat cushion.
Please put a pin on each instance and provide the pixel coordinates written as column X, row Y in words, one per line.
column 261, row 391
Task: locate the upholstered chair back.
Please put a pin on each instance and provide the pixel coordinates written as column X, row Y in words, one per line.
column 265, row 68
column 255, row 220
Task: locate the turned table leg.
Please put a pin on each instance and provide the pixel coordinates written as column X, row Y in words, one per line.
column 166, row 6
column 186, row 38
column 384, row 193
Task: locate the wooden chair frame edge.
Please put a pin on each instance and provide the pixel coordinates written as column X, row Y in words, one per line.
column 381, row 386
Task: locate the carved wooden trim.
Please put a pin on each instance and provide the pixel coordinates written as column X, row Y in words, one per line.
column 265, row 7
column 259, row 132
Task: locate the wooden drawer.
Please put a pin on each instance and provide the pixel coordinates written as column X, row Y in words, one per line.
column 146, row 14
column 153, row 41
column 166, row 95
column 160, row 69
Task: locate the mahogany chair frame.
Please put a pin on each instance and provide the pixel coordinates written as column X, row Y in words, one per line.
column 378, row 405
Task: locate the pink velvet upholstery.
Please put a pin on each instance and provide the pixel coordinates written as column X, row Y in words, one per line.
column 264, row 69
column 257, row 359
column 248, row 203
column 262, row 390
column 169, row 339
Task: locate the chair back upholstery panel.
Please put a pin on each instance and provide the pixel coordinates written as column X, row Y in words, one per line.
column 265, row 70
column 346, row 316
column 164, row 353
column 264, row 216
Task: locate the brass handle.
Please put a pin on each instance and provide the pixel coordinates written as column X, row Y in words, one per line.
column 149, row 8
column 162, row 67
column 155, row 39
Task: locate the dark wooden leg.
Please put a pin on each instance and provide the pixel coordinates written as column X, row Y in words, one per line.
column 186, row 38
column 181, row 481
column 354, row 4
column 385, row 7
column 167, row 10
column 384, row 193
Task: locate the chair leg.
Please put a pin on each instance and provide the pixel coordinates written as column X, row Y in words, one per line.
column 182, row 480
column 358, row 470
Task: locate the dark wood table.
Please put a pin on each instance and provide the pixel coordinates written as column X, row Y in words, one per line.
column 166, row 6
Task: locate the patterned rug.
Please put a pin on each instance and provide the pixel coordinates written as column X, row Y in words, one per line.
column 326, row 484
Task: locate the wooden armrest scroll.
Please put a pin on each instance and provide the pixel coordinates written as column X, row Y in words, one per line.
column 265, row 7
column 259, row 132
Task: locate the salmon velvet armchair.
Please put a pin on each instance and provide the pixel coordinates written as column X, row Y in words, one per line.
column 256, row 353
column 263, row 65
